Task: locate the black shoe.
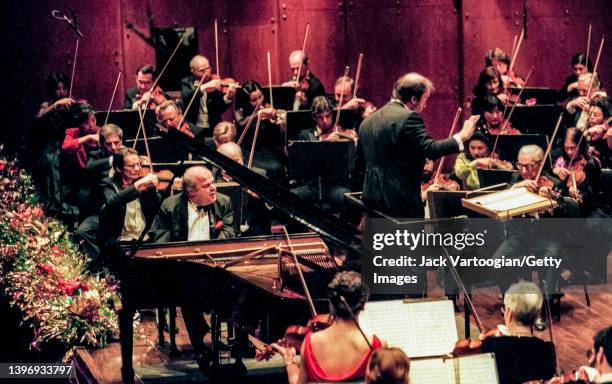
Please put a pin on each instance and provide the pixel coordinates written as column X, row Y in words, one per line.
column 539, row 324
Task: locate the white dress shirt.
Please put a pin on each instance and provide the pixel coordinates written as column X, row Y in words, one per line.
column 198, row 223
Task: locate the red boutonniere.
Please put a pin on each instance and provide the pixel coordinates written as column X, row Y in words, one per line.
column 219, row 225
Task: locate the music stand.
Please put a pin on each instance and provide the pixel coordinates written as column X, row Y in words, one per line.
column 508, row 146
column 129, row 121
column 446, row 204
column 535, row 119
column 543, row 95
column 283, row 96
column 321, row 160
column 490, row 177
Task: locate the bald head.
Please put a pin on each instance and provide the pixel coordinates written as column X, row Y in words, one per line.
column 295, row 58
column 199, row 185
column 231, row 150
column 194, row 173
column 200, row 67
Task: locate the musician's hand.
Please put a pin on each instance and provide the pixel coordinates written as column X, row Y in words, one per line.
column 177, row 184
column 146, row 182
column 530, row 102
column 469, row 127
column 485, row 162
column 572, row 87
column 287, row 352
column 353, row 104
column 575, row 193
column 597, row 131
column 301, row 96
column 581, row 102
column 545, row 192
column 196, row 83
column 370, row 109
column 290, row 83
column 63, row 103
column 267, row 113
column 562, row 173
column 231, row 91
column 214, row 84
column 531, row 185
column 503, row 98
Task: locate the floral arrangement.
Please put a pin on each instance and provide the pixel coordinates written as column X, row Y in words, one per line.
column 42, row 272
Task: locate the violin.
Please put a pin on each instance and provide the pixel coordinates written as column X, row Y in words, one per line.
column 504, row 129
column 164, row 176
column 444, row 182
column 156, row 97
column 568, row 377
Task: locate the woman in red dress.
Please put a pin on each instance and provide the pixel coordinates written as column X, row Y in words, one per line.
column 339, row 352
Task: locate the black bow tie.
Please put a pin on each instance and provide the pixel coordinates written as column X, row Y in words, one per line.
column 202, row 208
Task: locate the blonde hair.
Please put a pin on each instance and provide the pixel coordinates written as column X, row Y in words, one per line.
column 224, row 132
column 388, row 366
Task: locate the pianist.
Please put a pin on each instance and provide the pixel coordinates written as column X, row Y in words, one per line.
column 197, row 213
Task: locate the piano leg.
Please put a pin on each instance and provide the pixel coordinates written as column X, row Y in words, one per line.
column 174, row 352
column 215, row 333
column 161, row 323
column 126, row 338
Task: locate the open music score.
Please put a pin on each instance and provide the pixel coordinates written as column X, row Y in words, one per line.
column 474, row 369
column 420, row 328
column 509, row 203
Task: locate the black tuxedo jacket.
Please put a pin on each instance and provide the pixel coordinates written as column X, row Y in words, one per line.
column 214, row 102
column 395, row 144
column 172, row 220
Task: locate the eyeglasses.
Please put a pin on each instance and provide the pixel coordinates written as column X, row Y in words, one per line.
column 527, row 166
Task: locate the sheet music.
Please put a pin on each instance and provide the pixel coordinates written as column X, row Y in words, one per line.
column 509, row 199
column 420, row 329
column 428, row 371
column 389, row 321
column 475, row 369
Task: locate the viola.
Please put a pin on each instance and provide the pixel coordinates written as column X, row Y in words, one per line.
column 156, row 98
column 444, row 182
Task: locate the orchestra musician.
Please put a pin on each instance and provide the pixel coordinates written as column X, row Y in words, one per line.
column 489, row 84
column 307, row 84
column 580, row 64
column 340, row 352
column 197, row 213
column 211, row 102
column 270, row 140
column 332, row 191
column 130, row 202
column 224, row 132
column 476, row 155
column 343, row 88
column 578, row 108
column 169, row 116
column 139, row 95
column 519, row 354
column 602, row 355
column 99, row 167
column 492, row 120
column 598, row 133
column 395, row 145
column 499, row 59
column 388, row 366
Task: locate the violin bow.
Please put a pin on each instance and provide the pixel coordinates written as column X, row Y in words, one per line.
column 550, row 328
column 441, row 164
column 548, row 148
column 596, row 64
column 190, row 102
column 248, row 124
column 346, row 71
column 342, row 300
column 142, row 115
column 270, row 80
column 518, row 48
column 110, row 105
column 586, row 62
column 291, row 252
column 217, row 49
column 303, row 52
column 357, row 74
column 76, row 51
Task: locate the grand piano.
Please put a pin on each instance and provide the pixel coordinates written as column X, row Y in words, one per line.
column 255, row 276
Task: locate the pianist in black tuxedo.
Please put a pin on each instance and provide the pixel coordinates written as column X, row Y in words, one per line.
column 198, row 213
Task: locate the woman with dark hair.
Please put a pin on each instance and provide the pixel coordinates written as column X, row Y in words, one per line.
column 499, row 59
column 58, row 86
column 388, row 366
column 489, row 83
column 580, row 65
column 584, row 168
column 270, row 141
column 492, row 118
column 476, row 155
column 339, row 352
column 598, row 129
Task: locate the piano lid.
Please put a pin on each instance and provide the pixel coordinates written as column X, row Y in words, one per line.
column 307, row 214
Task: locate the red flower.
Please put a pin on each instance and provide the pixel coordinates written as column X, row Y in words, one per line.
column 69, row 287
column 46, row 268
column 219, row 225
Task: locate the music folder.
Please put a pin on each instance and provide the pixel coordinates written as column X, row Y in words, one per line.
column 535, row 119
column 330, row 160
column 508, row 146
column 282, row 96
column 128, row 121
column 542, row 95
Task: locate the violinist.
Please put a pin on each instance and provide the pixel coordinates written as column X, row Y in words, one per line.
column 339, row 352
column 332, row 191
column 489, row 84
column 130, row 202
column 213, row 100
column 224, row 132
column 270, row 140
column 578, row 108
column 580, row 65
column 169, row 116
column 519, row 354
column 499, row 59
column 197, row 213
column 492, row 121
column 476, row 155
column 139, row 95
column 598, row 132
column 307, row 84
column 344, row 88
column 574, row 165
